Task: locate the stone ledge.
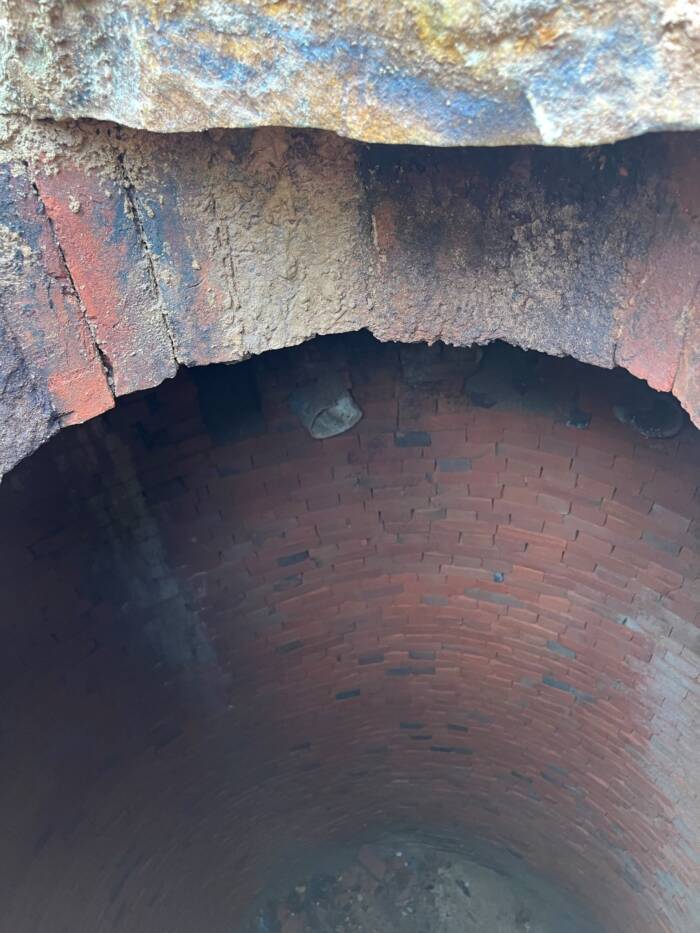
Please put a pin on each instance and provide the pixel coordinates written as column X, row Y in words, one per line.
column 201, row 248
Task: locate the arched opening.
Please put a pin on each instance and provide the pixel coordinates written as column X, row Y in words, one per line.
column 469, row 623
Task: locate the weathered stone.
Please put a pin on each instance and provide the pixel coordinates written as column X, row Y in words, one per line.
column 99, row 234
column 213, row 247
column 27, row 418
column 439, row 72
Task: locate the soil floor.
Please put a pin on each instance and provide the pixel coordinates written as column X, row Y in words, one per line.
column 414, row 888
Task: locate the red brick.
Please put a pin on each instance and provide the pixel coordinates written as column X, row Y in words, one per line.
column 670, row 523
column 555, row 603
column 601, row 486
column 589, row 545
column 554, row 503
column 99, row 242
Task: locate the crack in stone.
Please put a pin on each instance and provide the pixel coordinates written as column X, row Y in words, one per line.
column 146, row 250
column 230, row 276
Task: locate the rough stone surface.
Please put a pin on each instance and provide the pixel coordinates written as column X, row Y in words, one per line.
column 438, row 72
column 155, row 251
column 50, row 372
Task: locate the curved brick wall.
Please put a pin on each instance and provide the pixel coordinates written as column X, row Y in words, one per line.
column 224, row 637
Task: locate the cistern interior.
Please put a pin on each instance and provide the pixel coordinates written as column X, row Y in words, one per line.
column 342, row 636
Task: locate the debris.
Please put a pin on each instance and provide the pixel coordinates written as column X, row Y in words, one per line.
column 417, row 889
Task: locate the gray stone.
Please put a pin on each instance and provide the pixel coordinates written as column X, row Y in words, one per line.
column 438, row 72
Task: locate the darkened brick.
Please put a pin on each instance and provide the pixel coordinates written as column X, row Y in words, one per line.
column 454, row 464
column 288, row 583
column 662, row 544
column 165, row 491
column 412, row 439
column 434, row 600
column 347, row 694
column 553, row 778
column 289, row 647
column 491, row 597
column 422, row 655
column 550, row 681
column 375, row 658
column 560, row 649
column 290, row 559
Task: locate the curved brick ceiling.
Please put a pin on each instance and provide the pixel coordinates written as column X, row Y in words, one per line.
column 233, row 637
column 127, row 254
column 436, row 72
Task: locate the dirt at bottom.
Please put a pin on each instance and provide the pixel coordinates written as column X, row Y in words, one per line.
column 414, row 888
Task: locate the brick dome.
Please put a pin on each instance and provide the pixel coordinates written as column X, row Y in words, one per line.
column 470, row 614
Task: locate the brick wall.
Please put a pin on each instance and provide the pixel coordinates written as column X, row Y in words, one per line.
column 219, row 643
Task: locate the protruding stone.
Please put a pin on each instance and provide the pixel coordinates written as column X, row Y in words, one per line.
column 325, row 407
